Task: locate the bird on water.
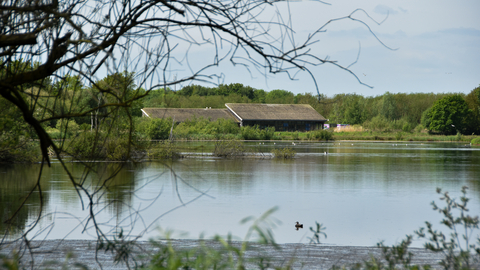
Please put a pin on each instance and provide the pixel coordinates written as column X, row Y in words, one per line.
column 298, row 226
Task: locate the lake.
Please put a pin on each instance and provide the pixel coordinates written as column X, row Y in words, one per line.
column 362, row 192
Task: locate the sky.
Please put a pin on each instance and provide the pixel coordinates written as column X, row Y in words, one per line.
column 428, row 46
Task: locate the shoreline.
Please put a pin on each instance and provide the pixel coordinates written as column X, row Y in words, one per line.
column 53, row 254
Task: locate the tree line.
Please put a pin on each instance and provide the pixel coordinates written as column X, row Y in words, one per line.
column 441, row 113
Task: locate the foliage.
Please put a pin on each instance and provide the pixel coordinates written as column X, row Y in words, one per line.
column 473, row 103
column 476, row 141
column 320, row 135
column 104, row 146
column 201, row 126
column 448, row 115
column 394, row 256
column 458, row 248
column 256, row 133
column 229, row 148
column 163, row 150
column 317, row 233
column 154, row 128
column 15, row 147
column 284, row 153
column 227, row 255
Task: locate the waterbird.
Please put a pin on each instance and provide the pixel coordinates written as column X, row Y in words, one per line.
column 298, row 225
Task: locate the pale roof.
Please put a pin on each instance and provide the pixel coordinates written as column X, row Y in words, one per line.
column 182, row 114
column 288, row 112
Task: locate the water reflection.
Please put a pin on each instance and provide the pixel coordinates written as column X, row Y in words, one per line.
column 362, row 192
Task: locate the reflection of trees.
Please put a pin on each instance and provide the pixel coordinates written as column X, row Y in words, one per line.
column 17, row 182
column 119, row 188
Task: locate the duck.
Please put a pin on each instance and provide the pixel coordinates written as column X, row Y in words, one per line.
column 298, row 225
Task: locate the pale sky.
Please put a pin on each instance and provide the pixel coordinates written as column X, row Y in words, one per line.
column 437, row 42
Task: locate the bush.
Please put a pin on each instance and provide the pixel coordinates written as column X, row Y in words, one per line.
column 201, row 127
column 230, row 148
column 154, row 128
column 476, row 141
column 419, row 128
column 377, row 123
column 103, row 146
column 460, row 251
column 164, row 150
column 255, row 133
column 320, row 135
column 18, row 148
column 284, row 153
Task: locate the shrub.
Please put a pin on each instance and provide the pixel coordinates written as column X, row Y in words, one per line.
column 154, row 128
column 204, row 128
column 419, row 128
column 255, row 133
column 17, row 148
column 164, row 150
column 460, row 251
column 284, row 153
column 105, row 146
column 230, row 148
column 377, row 123
column 320, row 135
column 476, row 141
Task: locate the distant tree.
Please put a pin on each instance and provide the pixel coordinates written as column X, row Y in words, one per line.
column 259, row 96
column 448, row 115
column 279, row 96
column 389, row 106
column 473, row 103
column 353, row 107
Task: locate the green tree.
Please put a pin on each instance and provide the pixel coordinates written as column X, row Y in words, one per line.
column 473, row 103
column 279, row 97
column 448, row 115
column 389, row 106
column 353, row 108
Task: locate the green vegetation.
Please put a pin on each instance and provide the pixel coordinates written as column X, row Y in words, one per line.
column 448, row 115
column 400, row 117
column 284, row 153
column 163, row 150
column 325, row 135
column 230, row 148
column 476, row 141
column 460, row 247
column 255, row 133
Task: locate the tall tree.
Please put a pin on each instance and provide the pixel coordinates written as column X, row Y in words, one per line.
column 448, row 115
column 473, row 103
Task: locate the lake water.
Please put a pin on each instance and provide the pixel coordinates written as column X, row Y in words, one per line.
column 361, row 192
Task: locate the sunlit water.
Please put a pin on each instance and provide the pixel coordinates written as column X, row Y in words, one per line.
column 361, row 192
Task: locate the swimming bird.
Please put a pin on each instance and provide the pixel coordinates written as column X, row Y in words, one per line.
column 298, row 226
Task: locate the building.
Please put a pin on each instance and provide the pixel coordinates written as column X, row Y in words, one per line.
column 181, row 115
column 284, row 117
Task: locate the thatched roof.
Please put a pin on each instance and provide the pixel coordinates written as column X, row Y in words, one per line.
column 180, row 115
column 286, row 112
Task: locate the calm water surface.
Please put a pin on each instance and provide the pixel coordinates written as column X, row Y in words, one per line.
column 361, row 192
